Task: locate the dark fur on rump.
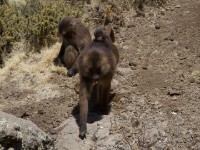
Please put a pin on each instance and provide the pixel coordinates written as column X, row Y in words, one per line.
column 96, row 65
column 70, row 56
column 76, row 36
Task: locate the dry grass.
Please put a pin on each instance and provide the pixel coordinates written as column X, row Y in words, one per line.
column 196, row 74
column 31, row 69
column 17, row 2
column 14, row 60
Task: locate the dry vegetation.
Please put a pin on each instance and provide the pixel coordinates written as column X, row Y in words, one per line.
column 156, row 83
column 32, row 25
column 36, row 21
column 35, row 69
column 33, row 21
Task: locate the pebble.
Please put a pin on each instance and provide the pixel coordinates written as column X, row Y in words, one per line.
column 174, row 113
column 131, row 25
column 123, row 71
column 192, row 80
column 174, row 93
column 170, row 37
column 162, row 12
column 132, row 64
column 176, row 43
column 178, row 6
column 157, row 26
column 151, row 14
column 152, row 26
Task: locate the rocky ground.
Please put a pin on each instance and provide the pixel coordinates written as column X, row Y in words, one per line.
column 157, row 86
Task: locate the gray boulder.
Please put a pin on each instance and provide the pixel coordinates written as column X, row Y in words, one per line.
column 20, row 134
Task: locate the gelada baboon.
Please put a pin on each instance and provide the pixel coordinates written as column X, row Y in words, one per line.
column 75, row 37
column 96, row 65
column 100, row 36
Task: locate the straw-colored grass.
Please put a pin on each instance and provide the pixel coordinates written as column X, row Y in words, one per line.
column 196, row 74
column 33, row 68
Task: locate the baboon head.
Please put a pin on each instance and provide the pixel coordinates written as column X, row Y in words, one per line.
column 67, row 26
column 94, row 65
column 104, row 33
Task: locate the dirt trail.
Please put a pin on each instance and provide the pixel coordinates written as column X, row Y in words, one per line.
column 158, row 83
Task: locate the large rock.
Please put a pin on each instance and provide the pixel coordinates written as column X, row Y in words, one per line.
column 20, row 134
column 98, row 137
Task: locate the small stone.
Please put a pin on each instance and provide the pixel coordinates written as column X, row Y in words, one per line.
column 162, row 12
column 53, row 131
column 174, row 113
column 152, row 26
column 131, row 25
column 145, row 66
column 170, row 37
column 178, row 6
column 101, row 133
column 157, row 26
column 132, row 64
column 123, row 71
column 151, row 14
column 192, row 80
column 187, row 12
column 141, row 42
column 135, row 122
column 176, row 43
column 174, row 93
column 186, row 47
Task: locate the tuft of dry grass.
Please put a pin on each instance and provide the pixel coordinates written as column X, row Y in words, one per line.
column 32, row 68
column 196, row 74
column 16, row 60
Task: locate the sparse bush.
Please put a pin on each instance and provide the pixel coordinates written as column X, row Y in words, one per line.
column 11, row 26
column 36, row 22
column 42, row 20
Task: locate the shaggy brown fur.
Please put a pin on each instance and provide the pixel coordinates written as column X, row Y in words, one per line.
column 96, row 65
column 75, row 38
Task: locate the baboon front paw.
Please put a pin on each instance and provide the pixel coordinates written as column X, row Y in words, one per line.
column 71, row 72
column 82, row 134
column 57, row 61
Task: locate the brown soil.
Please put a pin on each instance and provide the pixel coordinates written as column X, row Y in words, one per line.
column 160, row 87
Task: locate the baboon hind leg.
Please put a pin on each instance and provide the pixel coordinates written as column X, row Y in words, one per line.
column 85, row 90
column 103, row 97
column 70, row 56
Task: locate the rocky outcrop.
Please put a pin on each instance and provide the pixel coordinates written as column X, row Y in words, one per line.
column 19, row 134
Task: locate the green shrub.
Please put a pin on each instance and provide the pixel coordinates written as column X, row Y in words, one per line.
column 36, row 22
column 42, row 21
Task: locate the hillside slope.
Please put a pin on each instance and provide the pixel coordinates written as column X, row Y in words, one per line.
column 157, row 83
